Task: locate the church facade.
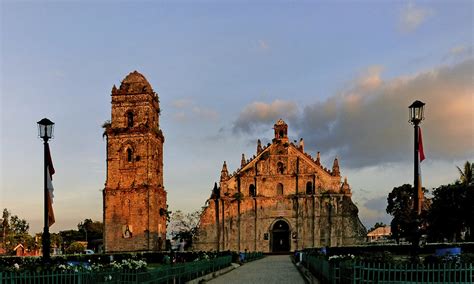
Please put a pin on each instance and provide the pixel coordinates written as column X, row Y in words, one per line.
column 281, row 199
column 134, row 197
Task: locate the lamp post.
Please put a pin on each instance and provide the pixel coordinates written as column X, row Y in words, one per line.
column 416, row 116
column 45, row 131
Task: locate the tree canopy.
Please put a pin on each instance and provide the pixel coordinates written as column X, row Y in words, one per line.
column 184, row 226
column 449, row 215
column 14, row 231
column 399, row 205
column 465, row 175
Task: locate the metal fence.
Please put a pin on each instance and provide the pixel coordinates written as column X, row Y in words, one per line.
column 355, row 272
column 250, row 256
column 177, row 273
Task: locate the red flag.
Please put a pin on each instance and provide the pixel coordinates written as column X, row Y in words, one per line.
column 420, row 145
column 49, row 181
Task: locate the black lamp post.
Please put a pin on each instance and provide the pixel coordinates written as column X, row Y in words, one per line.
column 45, row 131
column 416, row 116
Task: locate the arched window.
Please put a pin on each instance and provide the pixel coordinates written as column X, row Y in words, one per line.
column 252, row 190
column 280, row 189
column 129, row 119
column 280, row 168
column 129, row 155
column 281, row 134
column 309, row 188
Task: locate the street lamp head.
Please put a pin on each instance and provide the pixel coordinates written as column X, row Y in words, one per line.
column 45, row 129
column 416, row 112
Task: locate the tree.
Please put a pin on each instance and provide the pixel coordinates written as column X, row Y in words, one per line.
column 5, row 225
column 18, row 226
column 70, row 236
column 451, row 215
column 56, row 240
column 465, row 176
column 14, row 231
column 184, row 226
column 400, row 206
column 92, row 229
column 75, row 247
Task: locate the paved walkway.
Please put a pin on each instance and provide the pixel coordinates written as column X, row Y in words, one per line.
column 269, row 270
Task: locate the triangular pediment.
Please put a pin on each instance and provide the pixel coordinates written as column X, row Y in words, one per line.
column 289, row 150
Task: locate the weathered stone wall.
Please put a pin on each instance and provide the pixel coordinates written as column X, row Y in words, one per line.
column 139, row 208
column 134, row 193
column 281, row 182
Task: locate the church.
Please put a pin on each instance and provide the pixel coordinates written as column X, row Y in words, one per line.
column 134, row 197
column 282, row 199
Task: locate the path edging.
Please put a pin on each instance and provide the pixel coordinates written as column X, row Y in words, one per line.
column 305, row 273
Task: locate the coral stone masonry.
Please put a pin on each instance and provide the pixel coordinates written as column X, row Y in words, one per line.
column 281, row 199
column 134, row 196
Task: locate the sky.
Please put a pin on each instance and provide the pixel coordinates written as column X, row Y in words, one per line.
column 341, row 74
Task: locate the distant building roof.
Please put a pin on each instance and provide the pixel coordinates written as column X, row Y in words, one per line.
column 380, row 231
column 19, row 246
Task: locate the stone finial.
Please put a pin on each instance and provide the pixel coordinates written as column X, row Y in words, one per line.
column 301, row 145
column 259, row 146
column 243, row 161
column 345, row 186
column 335, row 168
column 114, row 90
column 224, row 172
column 318, row 158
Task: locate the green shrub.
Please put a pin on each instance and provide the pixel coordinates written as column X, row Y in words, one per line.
column 75, row 247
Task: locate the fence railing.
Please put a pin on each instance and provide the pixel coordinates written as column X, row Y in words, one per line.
column 355, row 272
column 251, row 256
column 177, row 273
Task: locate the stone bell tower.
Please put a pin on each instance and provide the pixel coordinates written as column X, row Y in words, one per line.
column 134, row 196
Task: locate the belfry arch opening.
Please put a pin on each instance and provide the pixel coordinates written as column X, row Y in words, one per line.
column 129, row 119
column 280, row 236
column 252, row 192
column 129, row 155
column 309, row 188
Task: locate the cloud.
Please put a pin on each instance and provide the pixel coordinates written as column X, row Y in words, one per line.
column 182, row 103
column 370, row 78
column 180, row 116
column 412, row 17
column 459, row 52
column 205, row 113
column 258, row 114
column 187, row 110
column 459, row 49
column 372, row 210
column 263, row 44
column 369, row 126
column 367, row 123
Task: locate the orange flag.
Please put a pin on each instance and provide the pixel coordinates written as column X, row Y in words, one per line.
column 49, row 181
column 420, row 145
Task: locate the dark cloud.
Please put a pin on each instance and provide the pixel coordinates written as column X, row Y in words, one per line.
column 377, row 204
column 367, row 124
column 258, row 114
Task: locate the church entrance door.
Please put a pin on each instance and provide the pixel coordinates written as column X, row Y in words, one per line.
column 280, row 236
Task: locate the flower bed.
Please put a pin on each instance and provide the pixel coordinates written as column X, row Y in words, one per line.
column 124, row 271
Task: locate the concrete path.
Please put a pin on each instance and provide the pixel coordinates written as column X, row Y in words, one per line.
column 269, row 270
